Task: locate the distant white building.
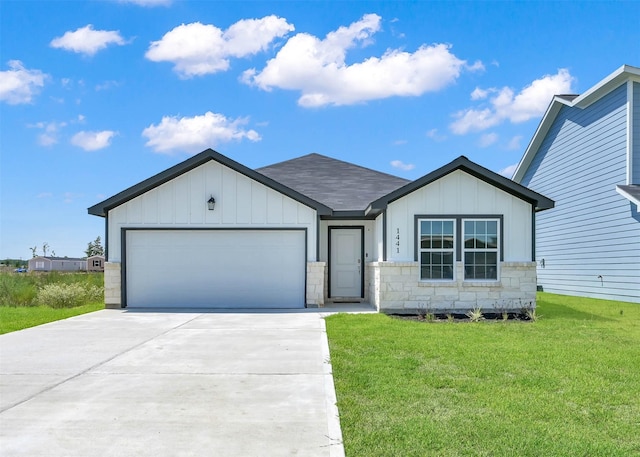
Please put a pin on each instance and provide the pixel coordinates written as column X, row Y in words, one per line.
column 41, row 263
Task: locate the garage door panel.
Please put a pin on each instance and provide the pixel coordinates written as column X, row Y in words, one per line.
column 215, row 269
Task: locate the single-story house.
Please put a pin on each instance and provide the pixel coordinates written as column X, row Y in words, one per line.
column 95, row 263
column 41, row 263
column 212, row 233
column 585, row 155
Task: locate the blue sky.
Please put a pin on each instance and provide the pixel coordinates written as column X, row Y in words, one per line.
column 96, row 96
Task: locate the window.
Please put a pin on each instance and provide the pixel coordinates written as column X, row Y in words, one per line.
column 97, row 263
column 436, row 249
column 473, row 240
column 39, row 265
column 480, row 249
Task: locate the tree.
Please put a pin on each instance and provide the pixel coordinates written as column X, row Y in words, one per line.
column 33, row 251
column 94, row 248
column 45, row 248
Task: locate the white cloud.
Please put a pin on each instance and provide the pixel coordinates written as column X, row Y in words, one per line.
column 20, row 85
column 530, row 102
column 479, row 94
column 435, row 135
column 44, row 195
column 317, row 68
column 87, row 41
column 399, row 164
column 193, row 134
column 149, row 3
column 92, row 141
column 107, row 85
column 508, row 171
column 69, row 197
column 487, row 139
column 514, row 143
column 399, row 142
column 50, row 133
column 198, row 49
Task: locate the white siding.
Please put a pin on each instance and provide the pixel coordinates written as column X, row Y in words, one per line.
column 240, row 202
column 459, row 193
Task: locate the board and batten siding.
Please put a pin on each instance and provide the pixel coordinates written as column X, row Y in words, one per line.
column 589, row 244
column 459, row 193
column 240, row 202
column 635, row 132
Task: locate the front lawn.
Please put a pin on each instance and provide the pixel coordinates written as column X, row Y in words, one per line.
column 14, row 318
column 30, row 299
column 566, row 385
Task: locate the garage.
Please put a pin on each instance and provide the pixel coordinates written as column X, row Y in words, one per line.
column 214, row 268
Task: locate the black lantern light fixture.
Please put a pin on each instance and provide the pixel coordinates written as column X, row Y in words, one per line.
column 211, row 203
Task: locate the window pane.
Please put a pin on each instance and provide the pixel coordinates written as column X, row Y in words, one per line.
column 436, row 227
column 468, row 228
column 425, row 227
column 447, row 242
column 492, row 227
column 425, row 242
column 481, row 227
column 447, row 227
column 492, row 258
column 492, row 241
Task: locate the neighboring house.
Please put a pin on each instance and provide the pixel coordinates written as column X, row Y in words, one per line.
column 41, row 263
column 210, row 232
column 95, row 263
column 586, row 156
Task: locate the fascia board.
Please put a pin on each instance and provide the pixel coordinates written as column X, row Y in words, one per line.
column 136, row 190
column 628, row 196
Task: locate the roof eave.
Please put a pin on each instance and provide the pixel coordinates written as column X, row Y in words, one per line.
column 582, row 101
column 101, row 209
column 538, row 201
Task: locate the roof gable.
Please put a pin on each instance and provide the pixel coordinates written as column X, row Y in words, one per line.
column 595, row 93
column 132, row 192
column 538, row 201
column 342, row 186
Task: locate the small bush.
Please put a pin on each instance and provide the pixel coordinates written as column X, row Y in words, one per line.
column 68, row 295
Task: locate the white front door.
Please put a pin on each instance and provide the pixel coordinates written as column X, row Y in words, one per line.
column 345, row 262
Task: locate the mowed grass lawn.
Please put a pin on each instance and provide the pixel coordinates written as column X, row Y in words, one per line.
column 566, row 385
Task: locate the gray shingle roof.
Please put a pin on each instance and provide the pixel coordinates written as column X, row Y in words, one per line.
column 342, row 186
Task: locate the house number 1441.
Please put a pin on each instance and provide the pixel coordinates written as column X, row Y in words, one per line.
column 397, row 241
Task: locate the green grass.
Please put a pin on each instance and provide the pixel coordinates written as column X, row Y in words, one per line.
column 14, row 318
column 566, row 385
column 19, row 307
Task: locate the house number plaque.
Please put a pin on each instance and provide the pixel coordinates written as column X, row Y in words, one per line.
column 397, row 241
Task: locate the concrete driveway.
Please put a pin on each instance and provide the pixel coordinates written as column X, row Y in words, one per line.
column 127, row 383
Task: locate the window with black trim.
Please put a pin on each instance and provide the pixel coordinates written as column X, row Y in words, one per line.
column 437, row 248
column 481, row 249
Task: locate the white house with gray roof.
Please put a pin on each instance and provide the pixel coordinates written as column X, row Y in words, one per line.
column 585, row 155
column 212, row 233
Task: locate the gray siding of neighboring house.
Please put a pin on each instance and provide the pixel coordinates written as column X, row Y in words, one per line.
column 590, row 241
column 635, row 167
column 68, row 265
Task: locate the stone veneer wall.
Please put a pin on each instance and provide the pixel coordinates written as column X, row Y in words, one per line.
column 315, row 284
column 394, row 288
column 112, row 285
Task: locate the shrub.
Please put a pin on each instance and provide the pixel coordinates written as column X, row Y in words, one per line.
column 68, row 295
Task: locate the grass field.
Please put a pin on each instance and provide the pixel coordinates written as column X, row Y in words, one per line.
column 566, row 385
column 27, row 300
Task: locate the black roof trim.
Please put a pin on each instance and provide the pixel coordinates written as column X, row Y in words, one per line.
column 102, row 208
column 539, row 201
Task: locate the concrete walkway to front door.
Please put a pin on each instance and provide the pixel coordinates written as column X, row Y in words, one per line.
column 185, row 383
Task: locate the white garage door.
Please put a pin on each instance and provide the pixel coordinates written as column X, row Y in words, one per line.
column 215, row 268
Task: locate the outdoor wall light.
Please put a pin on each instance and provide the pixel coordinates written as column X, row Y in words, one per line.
column 211, row 203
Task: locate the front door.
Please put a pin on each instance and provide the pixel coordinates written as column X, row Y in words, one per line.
column 345, row 262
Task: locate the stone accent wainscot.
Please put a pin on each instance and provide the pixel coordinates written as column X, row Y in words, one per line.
column 112, row 285
column 394, row 287
column 315, row 284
